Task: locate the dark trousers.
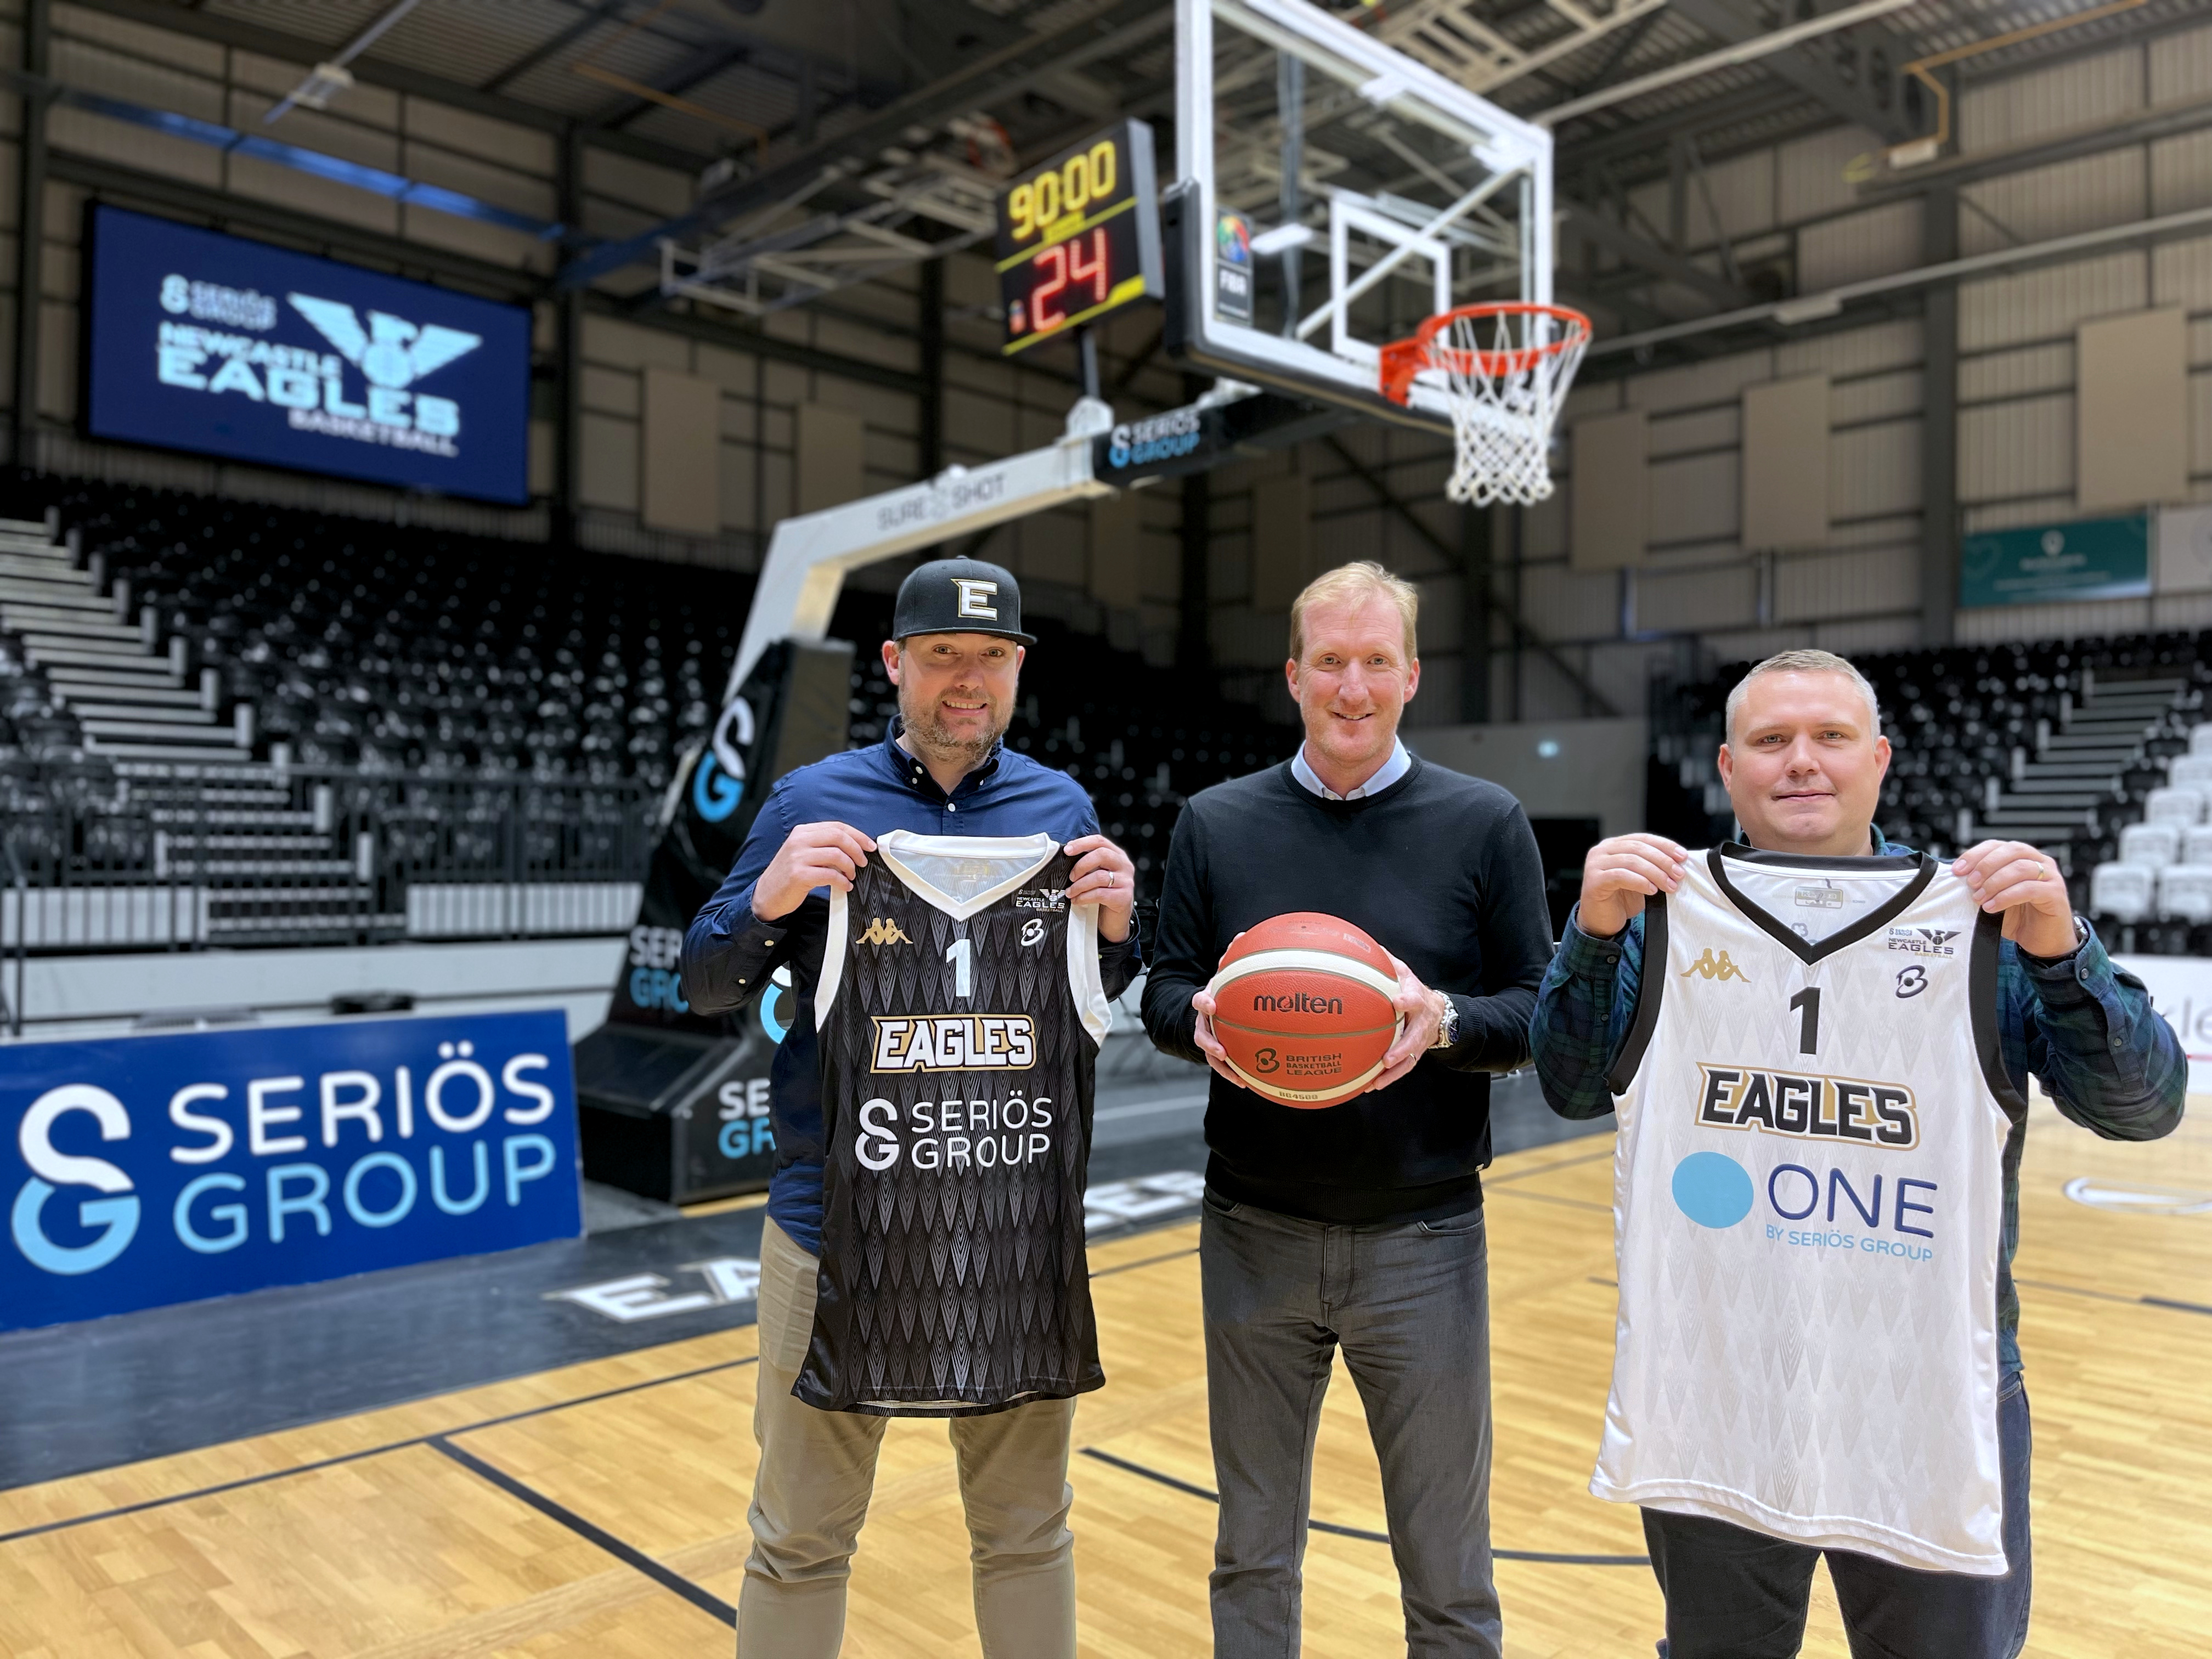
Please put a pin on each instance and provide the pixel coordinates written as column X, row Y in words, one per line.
column 1410, row 1306
column 1735, row 1594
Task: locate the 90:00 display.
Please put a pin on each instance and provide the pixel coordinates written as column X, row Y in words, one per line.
column 1084, row 178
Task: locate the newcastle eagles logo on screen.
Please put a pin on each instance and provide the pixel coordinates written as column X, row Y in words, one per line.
column 229, row 347
column 391, row 354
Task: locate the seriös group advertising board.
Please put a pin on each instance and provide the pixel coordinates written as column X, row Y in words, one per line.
column 227, row 347
column 144, row 1170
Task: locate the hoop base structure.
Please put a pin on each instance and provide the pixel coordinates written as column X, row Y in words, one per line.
column 1504, row 370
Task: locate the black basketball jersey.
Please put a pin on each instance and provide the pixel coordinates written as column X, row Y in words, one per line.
column 960, row 1011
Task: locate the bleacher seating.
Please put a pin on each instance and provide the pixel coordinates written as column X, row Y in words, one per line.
column 222, row 631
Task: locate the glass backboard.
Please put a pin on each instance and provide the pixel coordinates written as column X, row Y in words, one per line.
column 1333, row 193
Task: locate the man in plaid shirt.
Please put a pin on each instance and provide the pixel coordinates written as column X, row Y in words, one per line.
column 1803, row 763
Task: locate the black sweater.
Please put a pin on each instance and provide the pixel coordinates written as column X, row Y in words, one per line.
column 1442, row 871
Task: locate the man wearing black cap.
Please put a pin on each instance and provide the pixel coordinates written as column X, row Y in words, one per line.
column 955, row 656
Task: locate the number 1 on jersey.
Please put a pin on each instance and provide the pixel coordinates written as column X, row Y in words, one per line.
column 1806, row 1002
column 961, row 954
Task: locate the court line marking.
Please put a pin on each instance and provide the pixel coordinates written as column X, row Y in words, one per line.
column 1149, row 1261
column 68, row 1522
column 1545, row 1169
column 2115, row 1295
column 118, row 1510
column 628, row 1554
column 1362, row 1532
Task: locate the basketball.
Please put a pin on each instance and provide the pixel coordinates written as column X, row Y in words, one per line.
column 1302, row 1005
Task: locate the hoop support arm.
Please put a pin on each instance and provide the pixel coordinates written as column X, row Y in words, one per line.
column 809, row 554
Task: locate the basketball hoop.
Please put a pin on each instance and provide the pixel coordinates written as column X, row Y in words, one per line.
column 1503, row 368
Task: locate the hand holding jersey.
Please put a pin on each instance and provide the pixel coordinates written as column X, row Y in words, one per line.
column 812, row 856
column 2007, row 877
column 2013, row 879
column 829, row 855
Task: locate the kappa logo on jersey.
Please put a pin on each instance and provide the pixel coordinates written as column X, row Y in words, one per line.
column 1041, row 898
column 1709, row 967
column 1033, row 930
column 1924, row 941
column 1808, row 1106
column 954, row 1043
column 882, row 930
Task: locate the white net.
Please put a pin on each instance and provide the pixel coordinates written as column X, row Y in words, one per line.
column 1505, row 374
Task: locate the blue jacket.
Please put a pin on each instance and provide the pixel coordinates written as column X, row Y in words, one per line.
column 728, row 953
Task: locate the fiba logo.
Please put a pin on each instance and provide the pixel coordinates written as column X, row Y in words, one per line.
column 115, row 1214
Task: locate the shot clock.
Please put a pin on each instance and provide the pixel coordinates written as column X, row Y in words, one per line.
column 1079, row 236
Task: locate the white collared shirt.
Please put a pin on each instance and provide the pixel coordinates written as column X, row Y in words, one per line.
column 1389, row 773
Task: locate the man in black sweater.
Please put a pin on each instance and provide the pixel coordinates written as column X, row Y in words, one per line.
column 1360, row 1224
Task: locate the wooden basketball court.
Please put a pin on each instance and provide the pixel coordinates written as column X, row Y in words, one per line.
column 601, row 1510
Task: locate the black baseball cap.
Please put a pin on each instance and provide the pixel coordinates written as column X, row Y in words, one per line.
column 960, row 596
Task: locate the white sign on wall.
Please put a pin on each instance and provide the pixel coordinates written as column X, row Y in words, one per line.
column 2184, row 564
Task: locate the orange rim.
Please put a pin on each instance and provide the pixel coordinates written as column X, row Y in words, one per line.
column 1404, row 359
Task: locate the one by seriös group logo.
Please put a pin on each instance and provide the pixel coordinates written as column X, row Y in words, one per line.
column 157, row 1169
column 1718, row 1193
column 391, row 353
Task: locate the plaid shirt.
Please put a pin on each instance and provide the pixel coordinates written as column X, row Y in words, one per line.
column 2082, row 1026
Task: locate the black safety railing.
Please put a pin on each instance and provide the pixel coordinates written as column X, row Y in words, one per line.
column 182, row 858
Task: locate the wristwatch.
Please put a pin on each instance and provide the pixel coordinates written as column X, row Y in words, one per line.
column 1447, row 1024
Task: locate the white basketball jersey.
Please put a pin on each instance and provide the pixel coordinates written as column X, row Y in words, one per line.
column 1809, row 1192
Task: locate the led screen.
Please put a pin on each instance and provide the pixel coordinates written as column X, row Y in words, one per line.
column 226, row 347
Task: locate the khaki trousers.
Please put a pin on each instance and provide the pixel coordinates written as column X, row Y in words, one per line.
column 817, row 1470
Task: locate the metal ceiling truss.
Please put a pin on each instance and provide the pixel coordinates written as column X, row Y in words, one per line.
column 1453, row 36
column 998, row 74
column 1860, row 86
column 374, row 71
column 785, row 257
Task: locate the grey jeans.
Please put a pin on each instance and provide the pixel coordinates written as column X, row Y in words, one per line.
column 1410, row 1306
